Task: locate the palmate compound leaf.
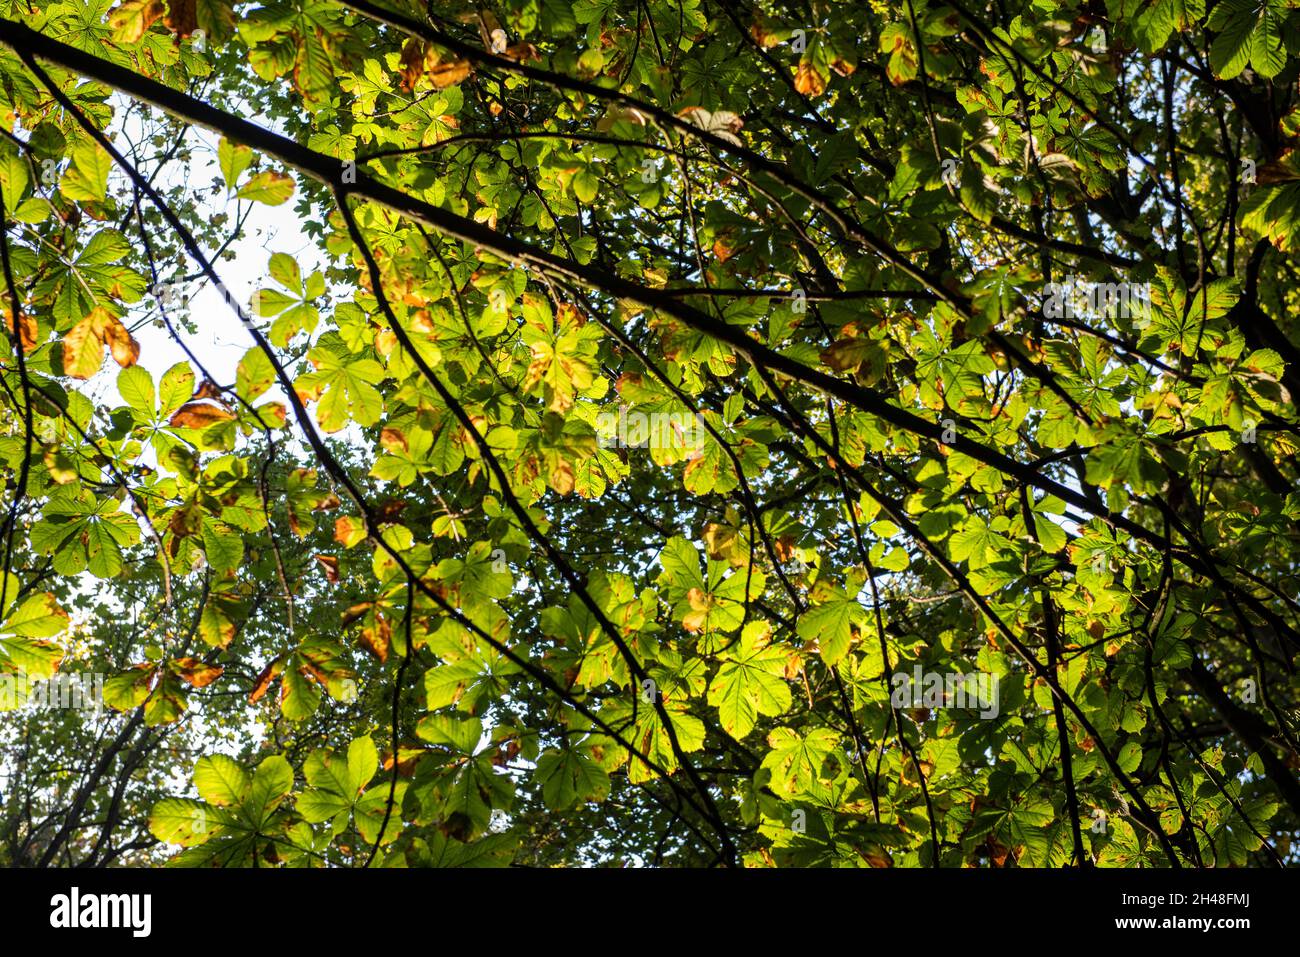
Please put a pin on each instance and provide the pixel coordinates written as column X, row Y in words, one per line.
column 831, row 625
column 242, row 814
column 372, row 808
column 569, row 778
column 272, row 781
column 1250, row 33
column 337, row 782
column 751, row 681
column 343, row 388
column 712, row 601
column 649, row 735
column 491, row 850
column 797, row 760
column 466, row 801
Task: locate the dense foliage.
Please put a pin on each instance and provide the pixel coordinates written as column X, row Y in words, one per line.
column 690, row 390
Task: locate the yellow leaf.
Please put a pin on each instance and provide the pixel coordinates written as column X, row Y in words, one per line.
column 808, row 81
column 83, row 346
column 267, row 187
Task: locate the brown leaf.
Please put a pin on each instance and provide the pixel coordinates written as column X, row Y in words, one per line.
column 376, row 640
column 418, row 60
column 563, row 478
column 449, row 74
column 506, row 752
column 264, row 681
column 356, row 613
column 393, row 439
column 199, row 415
column 567, row 314
column 761, row 34
column 130, row 20
column 521, row 52
column 25, row 327
column 331, row 565
column 407, row 757
column 421, row 321
column 83, row 346
column 718, row 540
column 411, row 61
column 182, row 16
column 846, row 354
column 121, row 343
column 197, row 672
column 208, row 390
column 186, row 521
column 876, row 856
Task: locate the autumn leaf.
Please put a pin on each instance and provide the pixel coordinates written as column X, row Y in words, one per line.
column 199, row 415
column 26, row 327
column 182, row 16
column 196, row 672
column 83, row 346
column 808, row 80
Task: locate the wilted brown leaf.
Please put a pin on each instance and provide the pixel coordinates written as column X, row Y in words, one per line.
column 25, row 327
column 182, row 16
column 264, row 681
column 199, row 415
column 131, row 19
column 331, row 565
column 196, row 672
column 449, row 74
column 207, row 390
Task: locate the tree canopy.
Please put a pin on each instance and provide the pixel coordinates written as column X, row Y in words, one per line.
column 695, row 433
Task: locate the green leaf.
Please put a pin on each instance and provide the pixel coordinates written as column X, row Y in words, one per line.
column 183, row 821
column 86, row 178
column 233, row 159
column 37, row 616
column 136, row 386
column 831, row 625
column 750, row 683
column 569, row 778
column 221, row 780
column 267, row 187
